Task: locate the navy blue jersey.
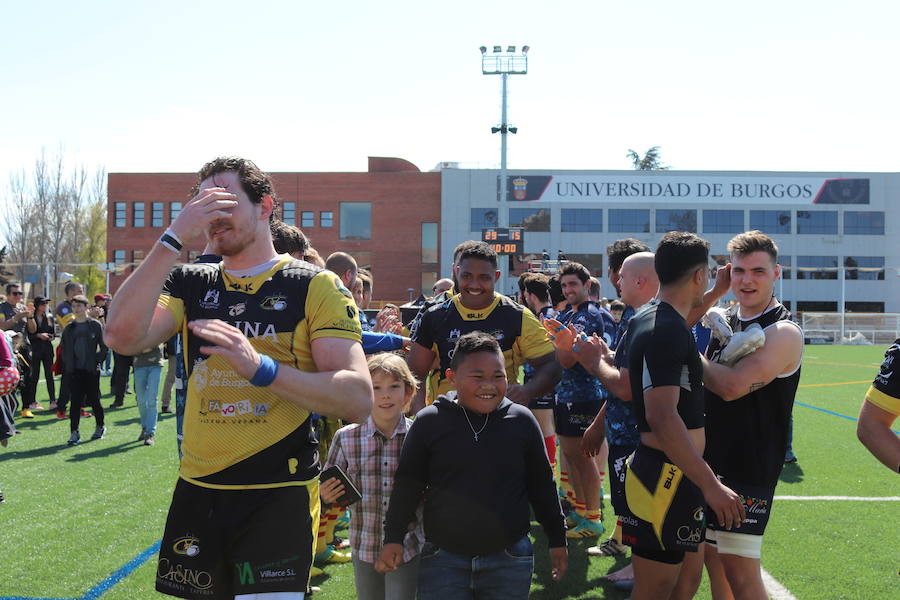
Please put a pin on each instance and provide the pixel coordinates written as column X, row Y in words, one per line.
column 576, row 384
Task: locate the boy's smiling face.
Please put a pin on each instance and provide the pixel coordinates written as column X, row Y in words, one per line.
column 391, row 396
column 480, row 381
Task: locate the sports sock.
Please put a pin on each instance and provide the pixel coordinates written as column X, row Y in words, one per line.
column 550, row 443
column 327, row 522
column 617, row 532
column 580, row 508
column 593, row 515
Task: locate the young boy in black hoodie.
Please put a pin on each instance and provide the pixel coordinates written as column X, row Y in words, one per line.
column 477, row 460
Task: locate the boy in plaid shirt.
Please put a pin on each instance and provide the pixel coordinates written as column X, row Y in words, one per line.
column 369, row 454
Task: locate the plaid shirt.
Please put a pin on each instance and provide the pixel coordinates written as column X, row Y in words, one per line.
column 370, row 459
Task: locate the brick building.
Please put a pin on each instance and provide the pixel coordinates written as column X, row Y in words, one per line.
column 388, row 218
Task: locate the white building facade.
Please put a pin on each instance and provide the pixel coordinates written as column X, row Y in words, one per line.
column 826, row 225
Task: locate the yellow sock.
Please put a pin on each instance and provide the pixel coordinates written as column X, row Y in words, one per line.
column 580, row 509
column 593, row 515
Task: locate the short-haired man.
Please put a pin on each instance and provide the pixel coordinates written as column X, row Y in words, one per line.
column 64, row 316
column 748, row 410
column 477, row 307
column 668, row 484
column 288, row 239
column 879, row 411
column 83, row 351
column 535, row 291
column 344, row 266
column 579, row 398
column 440, row 286
column 15, row 315
column 269, row 340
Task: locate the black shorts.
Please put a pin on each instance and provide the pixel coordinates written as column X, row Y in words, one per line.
column 618, row 457
column 757, row 503
column 573, row 418
column 220, row 543
column 547, row 402
column 664, row 509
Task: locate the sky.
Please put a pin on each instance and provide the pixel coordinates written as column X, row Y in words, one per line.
column 314, row 86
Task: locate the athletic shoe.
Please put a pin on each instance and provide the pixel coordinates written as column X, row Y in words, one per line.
column 53, row 405
column 2, row 499
column 573, row 519
column 625, row 585
column 149, row 440
column 27, row 414
column 586, row 529
column 36, row 406
column 608, row 548
column 74, row 439
column 143, row 436
column 790, row 458
column 85, row 414
column 60, row 414
column 315, row 571
column 165, row 410
column 330, row 556
column 117, row 404
column 99, row 432
column 340, row 543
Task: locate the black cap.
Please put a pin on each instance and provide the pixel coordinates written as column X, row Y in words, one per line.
column 39, row 300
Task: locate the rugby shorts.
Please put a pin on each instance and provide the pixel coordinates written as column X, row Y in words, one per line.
column 618, row 466
column 573, row 418
column 745, row 540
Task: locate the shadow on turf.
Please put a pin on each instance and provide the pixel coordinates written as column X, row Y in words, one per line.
column 104, row 451
column 575, row 584
column 791, row 473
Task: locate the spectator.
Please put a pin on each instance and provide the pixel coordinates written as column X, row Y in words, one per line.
column 41, row 330
column 83, row 352
column 147, row 370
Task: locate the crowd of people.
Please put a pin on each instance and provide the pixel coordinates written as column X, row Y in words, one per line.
column 441, row 436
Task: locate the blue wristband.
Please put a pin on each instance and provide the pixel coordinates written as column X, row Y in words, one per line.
column 266, row 373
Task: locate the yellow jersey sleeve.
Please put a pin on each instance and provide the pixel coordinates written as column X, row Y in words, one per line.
column 533, row 342
column 883, row 401
column 175, row 306
column 330, row 310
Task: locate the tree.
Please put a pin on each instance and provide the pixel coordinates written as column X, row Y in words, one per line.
column 651, row 161
column 93, row 232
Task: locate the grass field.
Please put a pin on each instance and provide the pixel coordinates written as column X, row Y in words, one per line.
column 75, row 516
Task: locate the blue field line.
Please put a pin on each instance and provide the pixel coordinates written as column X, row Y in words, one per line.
column 105, row 585
column 854, row 419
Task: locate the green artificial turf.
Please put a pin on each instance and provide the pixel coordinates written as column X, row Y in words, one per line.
column 73, row 516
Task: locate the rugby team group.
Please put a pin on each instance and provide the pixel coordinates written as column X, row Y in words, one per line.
column 449, row 432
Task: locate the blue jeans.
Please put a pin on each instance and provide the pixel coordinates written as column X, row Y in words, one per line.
column 146, row 388
column 504, row 575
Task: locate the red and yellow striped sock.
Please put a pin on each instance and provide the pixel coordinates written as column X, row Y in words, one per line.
column 580, row 508
column 593, row 515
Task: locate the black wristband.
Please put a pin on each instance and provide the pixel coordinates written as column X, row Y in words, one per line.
column 171, row 243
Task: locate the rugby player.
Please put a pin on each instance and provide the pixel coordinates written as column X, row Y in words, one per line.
column 477, row 307
column 268, row 341
column 668, row 484
column 579, row 398
column 879, row 411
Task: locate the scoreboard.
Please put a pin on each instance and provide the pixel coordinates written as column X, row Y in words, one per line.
column 504, row 240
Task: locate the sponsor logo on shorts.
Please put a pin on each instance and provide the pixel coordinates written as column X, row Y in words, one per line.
column 628, row 520
column 177, row 573
column 686, row 534
column 186, row 546
column 271, row 572
column 210, row 299
column 755, row 506
column 698, row 514
column 629, row 540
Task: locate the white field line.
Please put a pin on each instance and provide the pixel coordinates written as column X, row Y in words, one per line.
column 850, row 498
column 774, row 589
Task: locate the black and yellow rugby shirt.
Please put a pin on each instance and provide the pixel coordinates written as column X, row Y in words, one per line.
column 517, row 330
column 237, row 435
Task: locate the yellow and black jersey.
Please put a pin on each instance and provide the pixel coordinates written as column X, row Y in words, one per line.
column 885, row 390
column 64, row 314
column 519, row 333
column 237, row 435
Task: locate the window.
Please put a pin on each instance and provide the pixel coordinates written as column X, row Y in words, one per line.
column 174, row 210
column 785, row 262
column 869, row 267
column 356, row 220
column 289, row 213
column 137, row 257
column 863, row 222
column 428, row 280
column 771, row 221
column 531, row 219
column 307, row 218
column 817, row 306
column 817, row 267
column 120, row 214
column 118, row 256
column 675, row 220
column 817, row 221
column 429, row 242
column 582, row 219
column 326, row 218
column 482, row 218
column 593, row 262
column 138, row 216
column 629, row 220
column 858, row 306
column 722, row 221
column 156, row 215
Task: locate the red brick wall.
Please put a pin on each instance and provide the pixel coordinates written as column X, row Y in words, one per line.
column 401, row 202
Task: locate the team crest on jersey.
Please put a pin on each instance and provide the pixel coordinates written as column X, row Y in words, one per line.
column 498, row 335
column 236, row 309
column 454, row 335
column 211, row 299
column 273, row 303
column 340, row 286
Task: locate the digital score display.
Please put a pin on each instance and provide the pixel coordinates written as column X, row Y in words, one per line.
column 504, row 240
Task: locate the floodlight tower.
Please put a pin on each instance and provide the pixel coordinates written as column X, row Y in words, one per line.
column 504, row 64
